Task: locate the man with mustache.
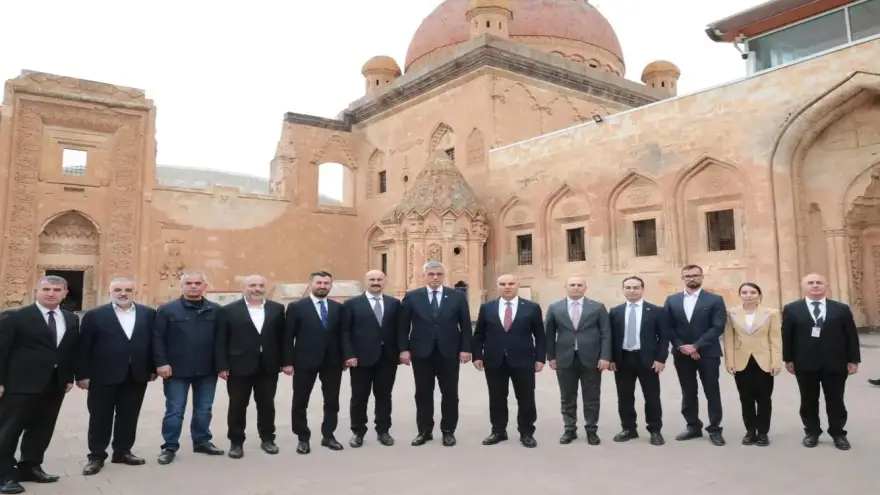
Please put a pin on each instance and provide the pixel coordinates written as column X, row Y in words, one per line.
column 312, row 350
column 115, row 366
column 370, row 335
column 248, row 356
column 37, row 358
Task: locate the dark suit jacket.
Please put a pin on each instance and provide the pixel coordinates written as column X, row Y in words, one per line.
column 837, row 345
column 419, row 330
column 364, row 337
column 29, row 352
column 105, row 352
column 653, row 334
column 307, row 344
column 523, row 345
column 592, row 334
column 706, row 326
column 238, row 343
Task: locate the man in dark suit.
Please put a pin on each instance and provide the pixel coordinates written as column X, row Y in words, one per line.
column 313, row 349
column 37, row 359
column 435, row 337
column 820, row 346
column 696, row 319
column 509, row 344
column 115, row 366
column 183, row 352
column 248, row 357
column 640, row 347
column 579, row 349
column 370, row 332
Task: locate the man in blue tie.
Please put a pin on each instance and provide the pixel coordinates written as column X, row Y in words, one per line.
column 313, row 349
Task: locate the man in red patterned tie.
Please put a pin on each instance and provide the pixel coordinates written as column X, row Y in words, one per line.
column 509, row 346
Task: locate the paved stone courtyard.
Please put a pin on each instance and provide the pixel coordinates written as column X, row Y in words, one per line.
column 635, row 467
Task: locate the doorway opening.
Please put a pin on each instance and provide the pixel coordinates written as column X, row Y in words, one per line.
column 75, row 282
column 462, row 286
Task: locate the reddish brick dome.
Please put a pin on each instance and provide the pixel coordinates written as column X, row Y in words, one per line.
column 574, row 20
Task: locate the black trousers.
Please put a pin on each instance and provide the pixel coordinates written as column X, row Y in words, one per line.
column 114, row 410
column 755, row 388
column 446, row 372
column 378, row 379
column 303, row 383
column 30, row 417
column 833, row 385
column 263, row 384
column 708, row 370
column 498, row 381
column 630, row 369
column 590, row 380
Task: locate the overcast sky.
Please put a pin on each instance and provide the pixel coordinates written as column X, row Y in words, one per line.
column 222, row 77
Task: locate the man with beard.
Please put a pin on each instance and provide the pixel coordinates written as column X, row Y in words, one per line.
column 370, row 335
column 312, row 350
column 435, row 336
column 697, row 319
column 115, row 366
column 37, row 358
column 248, row 357
column 820, row 347
column 183, row 352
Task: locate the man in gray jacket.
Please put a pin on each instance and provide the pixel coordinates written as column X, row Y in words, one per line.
column 579, row 350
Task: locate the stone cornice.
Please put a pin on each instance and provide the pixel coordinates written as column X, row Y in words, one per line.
column 321, row 122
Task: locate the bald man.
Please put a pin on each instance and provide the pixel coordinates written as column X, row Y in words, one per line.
column 509, row 345
column 820, row 346
column 248, row 356
column 370, row 335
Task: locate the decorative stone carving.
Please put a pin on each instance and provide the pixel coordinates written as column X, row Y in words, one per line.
column 875, row 257
column 411, row 264
column 435, row 253
column 713, row 181
column 855, row 256
column 70, row 225
column 443, row 133
column 173, row 265
column 638, row 196
column 476, row 148
column 338, row 142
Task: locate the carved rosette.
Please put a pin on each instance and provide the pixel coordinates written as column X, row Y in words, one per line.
column 435, row 253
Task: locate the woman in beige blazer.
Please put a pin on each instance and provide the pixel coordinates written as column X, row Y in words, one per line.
column 753, row 355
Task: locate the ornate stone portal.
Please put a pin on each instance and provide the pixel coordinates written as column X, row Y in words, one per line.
column 863, row 234
column 71, row 243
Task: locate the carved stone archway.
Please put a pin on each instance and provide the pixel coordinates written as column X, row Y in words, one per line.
column 71, row 242
column 863, row 234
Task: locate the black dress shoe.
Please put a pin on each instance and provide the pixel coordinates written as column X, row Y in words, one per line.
column 528, row 441
column 331, row 443
column 567, row 437
column 269, row 447
column 303, row 447
column 448, row 439
column 842, row 443
column 626, row 435
column 495, row 438
column 689, row 435
column 422, row 439
column 10, row 487
column 657, row 438
column 36, row 475
column 356, row 441
column 749, row 439
column 593, row 438
column 236, row 451
column 94, row 466
column 128, row 459
column 874, row 381
column 762, row 440
column 208, row 448
column 386, row 439
column 717, row 439
column 810, row 441
column 166, row 457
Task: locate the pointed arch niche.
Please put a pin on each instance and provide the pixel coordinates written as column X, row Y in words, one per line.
column 69, row 246
column 516, row 237
column 636, row 225
column 443, row 139
column 334, row 176
column 710, row 209
column 567, row 235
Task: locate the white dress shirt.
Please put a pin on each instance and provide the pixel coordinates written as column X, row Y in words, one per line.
column 371, row 298
column 690, row 302
column 638, row 307
column 60, row 324
column 822, row 308
column 257, row 314
column 126, row 318
column 750, row 319
column 571, row 316
column 439, row 295
column 502, row 308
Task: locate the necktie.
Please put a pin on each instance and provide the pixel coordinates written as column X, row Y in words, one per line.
column 53, row 326
column 323, row 305
column 377, row 309
column 817, row 313
column 576, row 313
column 508, row 316
column 435, row 302
column 631, row 328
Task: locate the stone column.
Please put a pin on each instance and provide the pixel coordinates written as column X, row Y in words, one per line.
column 401, row 276
column 838, row 264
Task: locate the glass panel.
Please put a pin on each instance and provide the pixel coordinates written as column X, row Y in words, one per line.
column 864, row 19
column 797, row 42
